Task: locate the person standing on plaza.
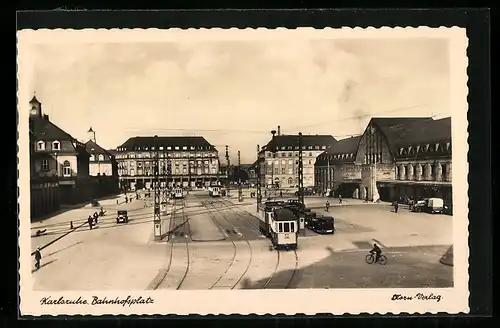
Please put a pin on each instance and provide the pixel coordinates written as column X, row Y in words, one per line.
column 90, row 221
column 38, row 257
column 327, row 205
column 396, row 206
column 340, row 198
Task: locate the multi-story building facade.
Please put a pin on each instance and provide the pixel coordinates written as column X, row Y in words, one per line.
column 336, row 169
column 58, row 156
column 103, row 167
column 395, row 158
column 184, row 161
column 278, row 159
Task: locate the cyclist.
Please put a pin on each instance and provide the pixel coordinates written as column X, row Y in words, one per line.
column 327, row 205
column 377, row 251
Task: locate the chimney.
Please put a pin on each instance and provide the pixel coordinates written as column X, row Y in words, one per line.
column 279, row 130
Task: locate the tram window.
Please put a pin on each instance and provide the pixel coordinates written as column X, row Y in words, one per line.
column 292, row 226
column 280, row 227
column 286, row 226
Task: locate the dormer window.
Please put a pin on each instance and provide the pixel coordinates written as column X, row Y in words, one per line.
column 101, row 157
column 401, row 151
column 418, row 149
column 427, row 147
column 56, row 145
column 437, row 147
column 40, row 145
column 447, row 146
column 92, row 157
column 176, row 147
column 192, row 147
column 169, row 148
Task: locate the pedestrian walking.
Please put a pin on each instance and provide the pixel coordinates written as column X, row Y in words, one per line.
column 396, row 206
column 71, row 225
column 340, row 199
column 38, row 257
column 89, row 220
column 126, row 199
column 327, row 205
column 281, row 193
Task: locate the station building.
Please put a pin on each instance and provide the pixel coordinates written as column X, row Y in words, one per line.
column 395, row 158
column 336, row 169
column 278, row 159
column 184, row 161
column 59, row 165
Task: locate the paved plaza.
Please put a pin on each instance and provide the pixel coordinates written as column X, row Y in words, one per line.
column 221, row 248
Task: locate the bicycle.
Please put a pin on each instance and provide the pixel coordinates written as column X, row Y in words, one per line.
column 370, row 259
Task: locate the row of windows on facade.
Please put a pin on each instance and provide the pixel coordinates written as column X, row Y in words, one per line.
column 100, row 157
column 66, row 167
column 164, row 155
column 296, row 154
column 337, row 157
column 290, row 171
column 413, row 150
column 290, row 162
column 166, row 148
column 177, row 171
column 428, row 171
column 303, row 147
column 289, row 180
column 163, row 163
column 41, row 145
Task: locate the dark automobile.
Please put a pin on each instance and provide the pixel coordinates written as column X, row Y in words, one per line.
column 322, row 224
column 307, row 192
column 122, row 217
column 429, row 205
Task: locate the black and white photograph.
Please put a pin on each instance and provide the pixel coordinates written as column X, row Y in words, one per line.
column 202, row 171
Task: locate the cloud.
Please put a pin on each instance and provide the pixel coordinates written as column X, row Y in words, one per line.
column 122, row 89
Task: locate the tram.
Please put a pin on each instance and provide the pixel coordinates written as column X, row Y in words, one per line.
column 214, row 191
column 177, row 192
column 279, row 224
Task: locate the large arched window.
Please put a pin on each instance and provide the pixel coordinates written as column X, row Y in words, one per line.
column 66, row 169
column 290, row 181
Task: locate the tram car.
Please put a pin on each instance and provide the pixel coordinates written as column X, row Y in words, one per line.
column 279, row 224
column 214, row 191
column 177, row 193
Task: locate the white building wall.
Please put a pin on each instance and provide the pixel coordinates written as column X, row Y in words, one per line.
column 101, row 168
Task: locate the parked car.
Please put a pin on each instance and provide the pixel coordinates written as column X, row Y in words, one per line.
column 429, row 205
column 322, row 224
column 122, row 217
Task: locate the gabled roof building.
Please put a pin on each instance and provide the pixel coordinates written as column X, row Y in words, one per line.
column 56, row 156
column 394, row 158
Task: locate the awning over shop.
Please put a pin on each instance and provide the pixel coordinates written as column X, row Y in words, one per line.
column 415, row 183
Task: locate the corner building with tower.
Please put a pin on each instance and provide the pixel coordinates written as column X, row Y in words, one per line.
column 278, row 159
column 183, row 161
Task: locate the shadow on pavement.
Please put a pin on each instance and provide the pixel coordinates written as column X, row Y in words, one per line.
column 349, row 270
column 65, row 248
column 44, row 265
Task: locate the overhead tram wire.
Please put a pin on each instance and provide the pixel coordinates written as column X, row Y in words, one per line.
column 222, row 131
column 359, row 116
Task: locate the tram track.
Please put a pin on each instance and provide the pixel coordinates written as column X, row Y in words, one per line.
column 227, row 279
column 174, row 275
column 281, row 266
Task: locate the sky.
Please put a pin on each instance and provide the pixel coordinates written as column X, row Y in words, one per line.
column 235, row 92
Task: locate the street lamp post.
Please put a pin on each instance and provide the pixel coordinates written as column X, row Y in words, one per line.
column 157, row 192
column 301, row 172
column 257, row 171
column 273, row 152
